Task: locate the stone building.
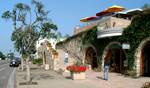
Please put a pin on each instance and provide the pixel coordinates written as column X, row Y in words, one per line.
column 109, row 31
column 47, row 52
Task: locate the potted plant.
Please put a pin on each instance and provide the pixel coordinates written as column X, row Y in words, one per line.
column 77, row 71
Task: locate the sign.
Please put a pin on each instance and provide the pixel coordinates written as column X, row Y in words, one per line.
column 125, row 46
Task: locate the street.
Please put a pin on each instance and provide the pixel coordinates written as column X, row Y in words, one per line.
column 5, row 75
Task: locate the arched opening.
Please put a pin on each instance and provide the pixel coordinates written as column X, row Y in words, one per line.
column 117, row 57
column 145, row 60
column 91, row 57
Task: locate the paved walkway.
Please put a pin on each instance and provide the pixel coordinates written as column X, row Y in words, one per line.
column 51, row 79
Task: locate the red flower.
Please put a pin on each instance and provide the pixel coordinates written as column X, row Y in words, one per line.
column 74, row 68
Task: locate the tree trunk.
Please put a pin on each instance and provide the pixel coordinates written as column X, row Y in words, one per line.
column 22, row 63
column 43, row 56
column 28, row 76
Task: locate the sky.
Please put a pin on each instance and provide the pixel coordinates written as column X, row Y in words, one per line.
column 66, row 14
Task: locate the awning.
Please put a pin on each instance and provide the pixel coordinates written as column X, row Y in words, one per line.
column 102, row 13
column 86, row 19
column 110, row 10
column 115, row 8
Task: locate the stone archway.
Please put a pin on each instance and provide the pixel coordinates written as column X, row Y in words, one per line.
column 142, row 58
column 91, row 57
column 116, row 55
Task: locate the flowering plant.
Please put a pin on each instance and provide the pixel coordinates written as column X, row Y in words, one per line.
column 77, row 69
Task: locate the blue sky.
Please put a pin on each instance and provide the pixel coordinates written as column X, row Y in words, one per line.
column 65, row 14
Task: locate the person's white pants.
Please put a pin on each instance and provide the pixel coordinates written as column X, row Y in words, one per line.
column 106, row 69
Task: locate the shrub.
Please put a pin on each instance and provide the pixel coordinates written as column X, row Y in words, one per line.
column 37, row 61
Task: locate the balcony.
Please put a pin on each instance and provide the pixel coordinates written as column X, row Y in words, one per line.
column 110, row 32
column 109, row 23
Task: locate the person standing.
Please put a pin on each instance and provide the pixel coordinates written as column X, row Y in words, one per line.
column 106, row 69
column 107, row 64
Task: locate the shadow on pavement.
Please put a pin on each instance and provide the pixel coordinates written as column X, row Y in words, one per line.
column 98, row 77
column 68, row 77
column 26, row 83
column 43, row 76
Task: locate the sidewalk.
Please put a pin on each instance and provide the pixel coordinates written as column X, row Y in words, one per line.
column 51, row 79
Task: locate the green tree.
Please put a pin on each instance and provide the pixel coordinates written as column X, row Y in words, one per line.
column 67, row 36
column 2, row 56
column 146, row 6
column 10, row 55
column 27, row 32
column 58, row 36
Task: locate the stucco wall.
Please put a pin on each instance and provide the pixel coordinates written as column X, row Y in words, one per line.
column 119, row 22
column 107, row 22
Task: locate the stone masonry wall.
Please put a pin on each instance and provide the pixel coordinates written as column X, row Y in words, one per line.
column 74, row 48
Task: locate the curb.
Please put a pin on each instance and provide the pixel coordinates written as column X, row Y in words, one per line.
column 11, row 81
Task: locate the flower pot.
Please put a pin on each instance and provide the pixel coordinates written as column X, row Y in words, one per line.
column 80, row 75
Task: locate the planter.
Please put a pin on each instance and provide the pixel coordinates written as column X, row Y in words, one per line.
column 80, row 75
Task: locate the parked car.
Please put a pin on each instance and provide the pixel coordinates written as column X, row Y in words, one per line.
column 13, row 63
column 18, row 60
